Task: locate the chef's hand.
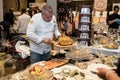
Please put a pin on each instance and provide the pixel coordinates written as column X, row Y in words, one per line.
column 61, row 35
column 47, row 40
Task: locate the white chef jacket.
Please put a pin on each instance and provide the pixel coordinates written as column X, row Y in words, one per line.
column 22, row 24
column 39, row 29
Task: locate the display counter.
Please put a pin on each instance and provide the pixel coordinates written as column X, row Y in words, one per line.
column 76, row 64
column 65, row 68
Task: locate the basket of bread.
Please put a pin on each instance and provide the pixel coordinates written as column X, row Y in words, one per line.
column 38, row 72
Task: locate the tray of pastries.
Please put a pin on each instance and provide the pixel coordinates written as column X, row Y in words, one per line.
column 104, row 40
column 110, row 45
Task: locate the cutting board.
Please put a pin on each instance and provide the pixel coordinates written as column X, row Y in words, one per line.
column 54, row 63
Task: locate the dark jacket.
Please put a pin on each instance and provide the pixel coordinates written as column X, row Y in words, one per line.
column 113, row 17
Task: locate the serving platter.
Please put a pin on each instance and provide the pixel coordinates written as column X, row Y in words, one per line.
column 51, row 63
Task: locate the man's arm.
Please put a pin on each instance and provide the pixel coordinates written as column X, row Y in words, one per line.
column 110, row 75
column 111, row 22
column 107, row 74
column 31, row 32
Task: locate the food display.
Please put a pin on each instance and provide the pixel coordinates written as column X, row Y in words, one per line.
column 104, row 40
column 41, row 70
column 110, row 46
column 82, row 65
column 67, row 72
column 39, row 73
column 65, row 40
column 84, row 61
column 57, row 69
column 72, row 72
column 108, row 43
column 78, row 55
column 111, row 60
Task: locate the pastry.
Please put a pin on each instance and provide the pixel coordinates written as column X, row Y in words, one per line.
column 65, row 40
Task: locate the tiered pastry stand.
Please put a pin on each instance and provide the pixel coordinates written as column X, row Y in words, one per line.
column 56, row 44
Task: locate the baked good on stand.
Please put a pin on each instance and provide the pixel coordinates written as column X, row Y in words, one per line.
column 65, row 40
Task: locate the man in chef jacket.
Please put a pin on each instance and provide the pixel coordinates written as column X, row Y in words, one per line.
column 40, row 31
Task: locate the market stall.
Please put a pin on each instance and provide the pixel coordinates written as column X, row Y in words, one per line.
column 95, row 47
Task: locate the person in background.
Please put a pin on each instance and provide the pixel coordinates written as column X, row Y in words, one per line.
column 36, row 10
column 29, row 12
column 6, row 29
column 69, row 30
column 71, row 15
column 23, row 21
column 40, row 31
column 107, row 74
column 111, row 19
column 65, row 26
column 9, row 16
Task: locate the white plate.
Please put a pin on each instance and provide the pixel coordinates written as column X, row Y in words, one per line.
column 93, row 67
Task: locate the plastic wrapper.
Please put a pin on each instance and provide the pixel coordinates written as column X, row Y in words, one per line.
column 79, row 54
column 29, row 75
column 22, row 75
column 38, row 72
